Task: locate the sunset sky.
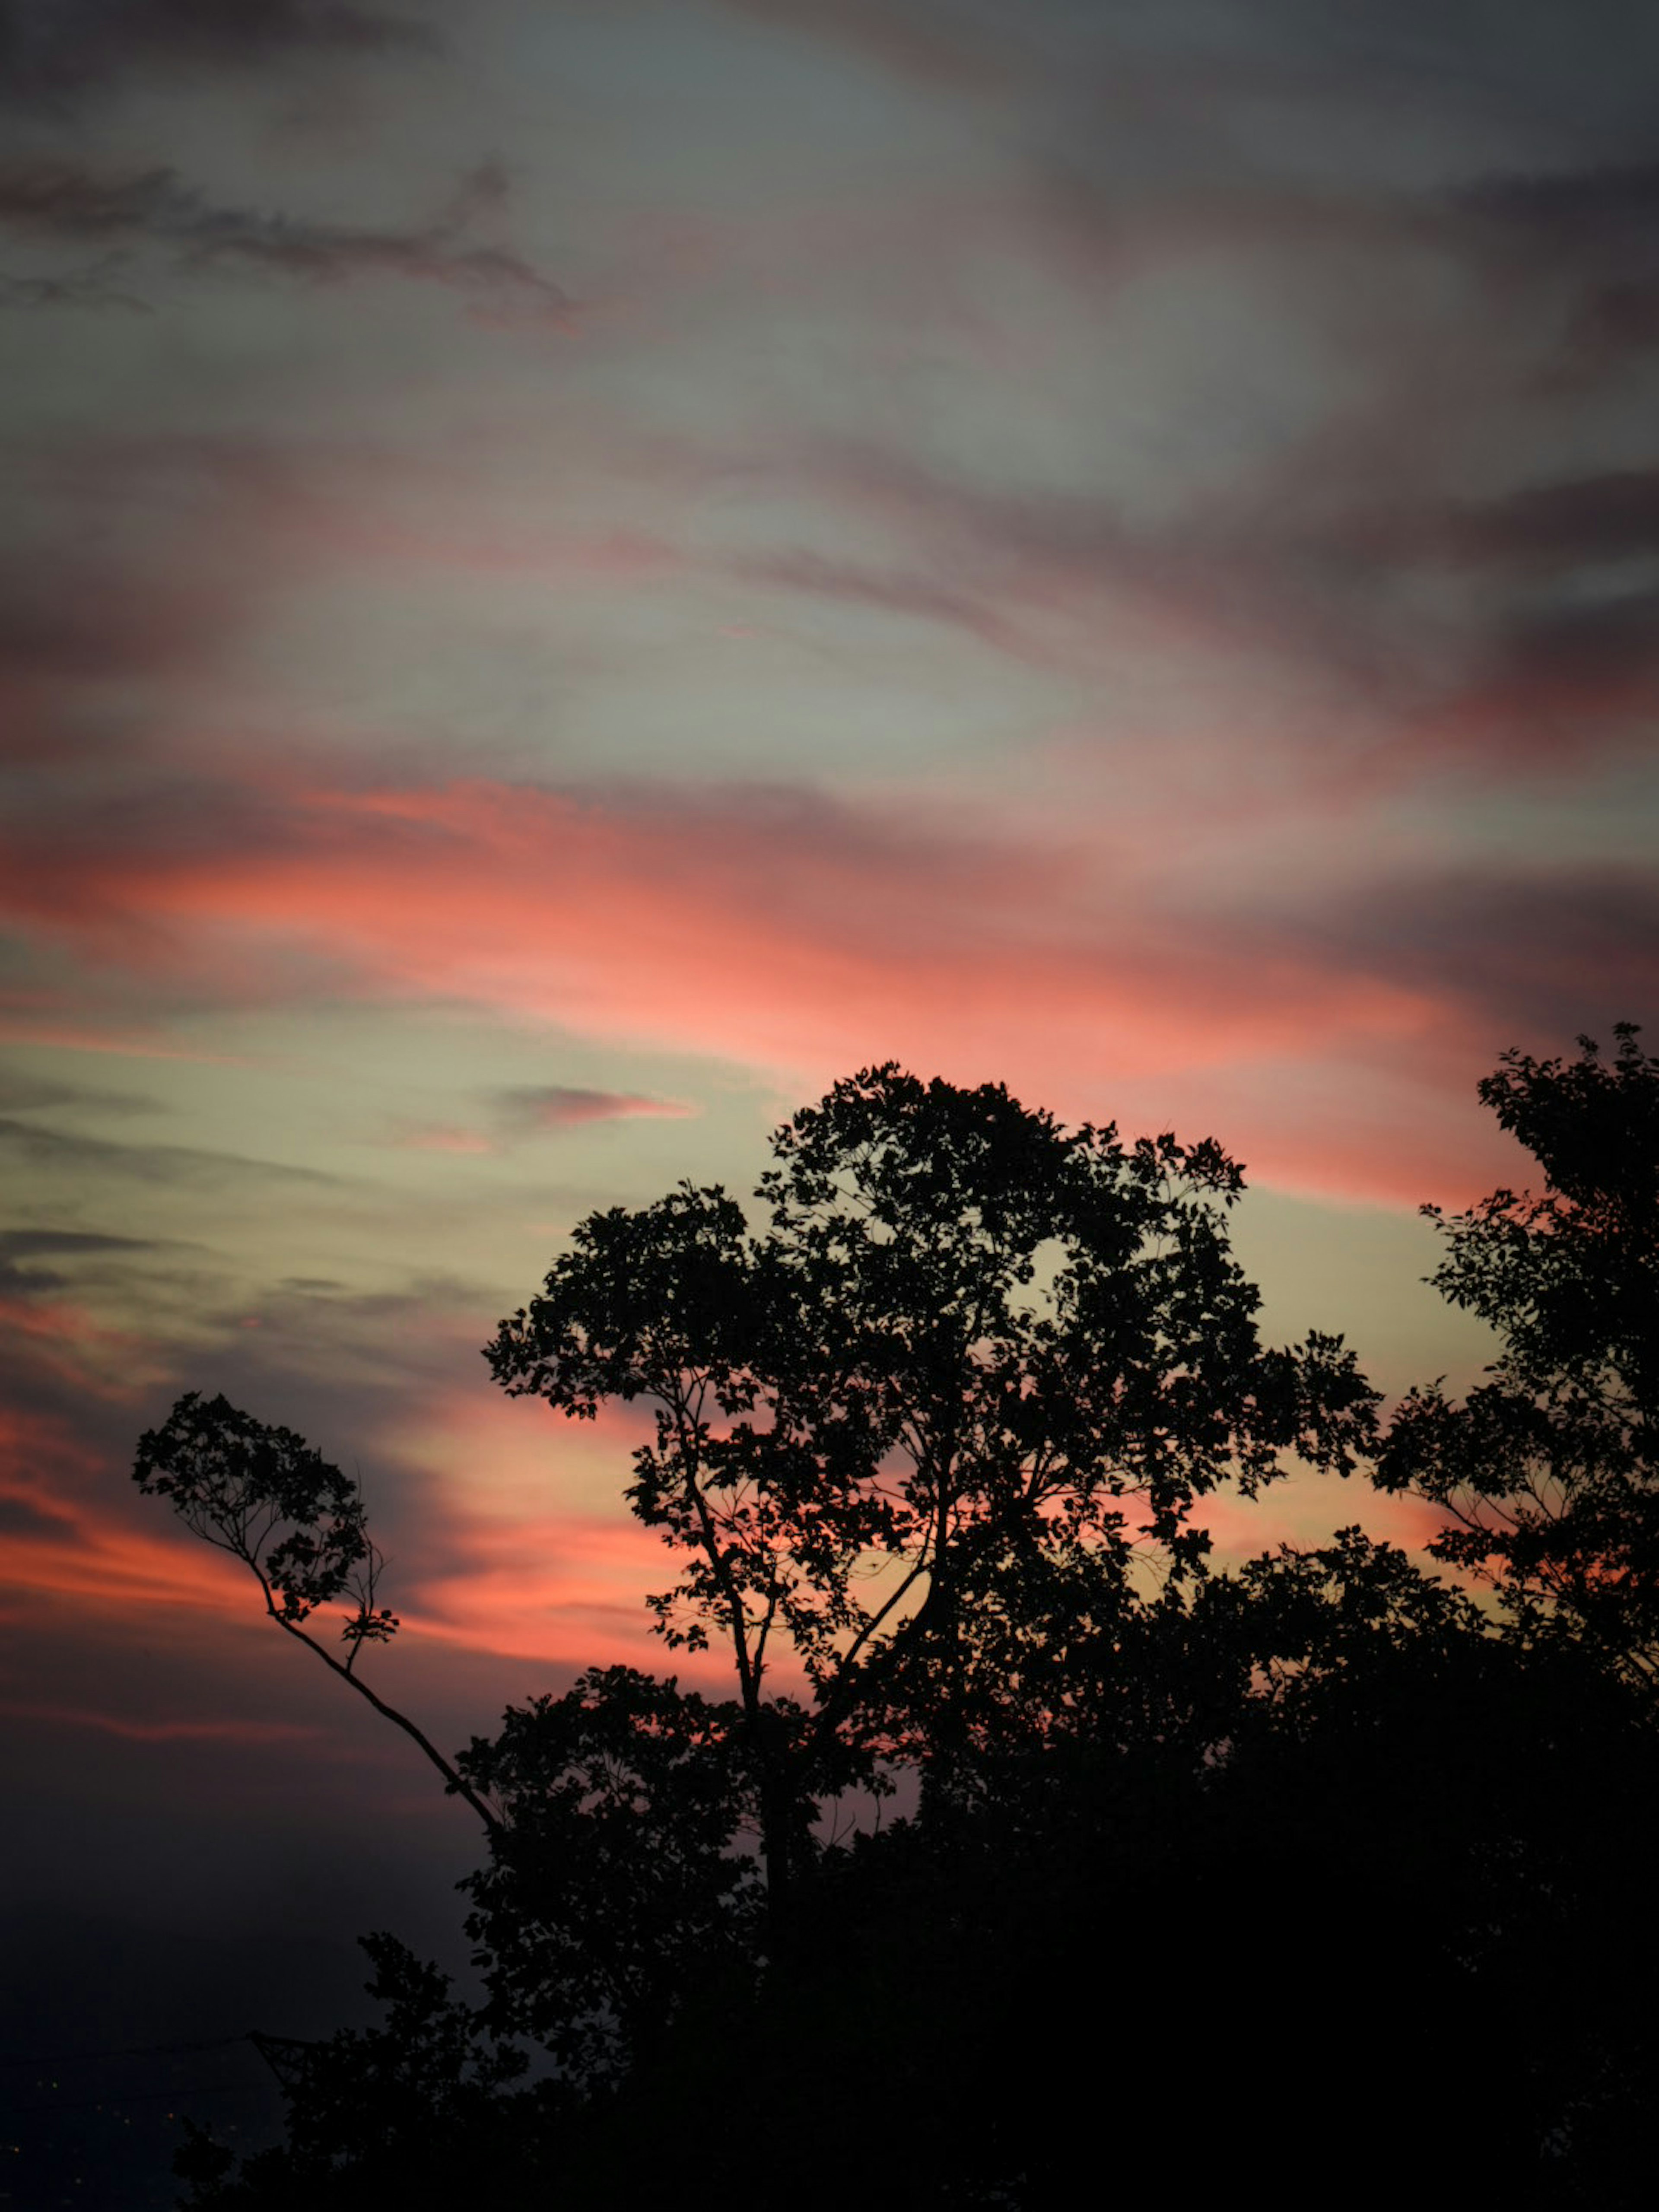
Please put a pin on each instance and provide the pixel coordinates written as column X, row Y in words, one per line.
column 573, row 572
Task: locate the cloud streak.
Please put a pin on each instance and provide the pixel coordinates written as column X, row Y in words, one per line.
column 807, row 938
column 538, row 1106
column 56, row 51
column 66, row 204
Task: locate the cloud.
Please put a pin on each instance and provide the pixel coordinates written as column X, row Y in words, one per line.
column 1518, row 629
column 927, row 44
column 171, row 1731
column 27, row 1244
column 64, row 203
column 443, row 1137
column 84, row 1255
column 59, row 1545
column 133, row 569
column 97, row 286
column 23, row 1093
column 33, row 1517
column 777, row 928
column 530, row 1111
column 808, row 938
column 1549, row 525
column 1580, row 248
column 50, row 49
column 1535, row 949
column 540, row 1107
column 83, row 618
column 1566, row 211
column 154, row 1163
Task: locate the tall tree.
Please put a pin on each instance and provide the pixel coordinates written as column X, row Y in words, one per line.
column 971, row 1361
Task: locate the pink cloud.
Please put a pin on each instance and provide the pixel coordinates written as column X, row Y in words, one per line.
column 67, row 1343
column 564, row 1589
column 444, row 1139
column 781, row 931
column 59, row 1549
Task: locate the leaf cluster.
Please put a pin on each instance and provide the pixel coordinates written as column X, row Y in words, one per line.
column 964, row 1337
column 271, row 1500
column 1548, row 1467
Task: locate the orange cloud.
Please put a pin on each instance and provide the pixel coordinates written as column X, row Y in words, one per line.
column 55, row 1547
column 782, row 931
column 569, row 1589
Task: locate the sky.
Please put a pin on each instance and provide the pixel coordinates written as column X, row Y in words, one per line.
column 571, row 573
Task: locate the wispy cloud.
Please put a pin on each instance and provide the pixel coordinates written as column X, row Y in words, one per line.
column 934, row 45
column 169, row 1731
column 160, row 1163
column 552, row 1106
column 799, row 934
column 67, row 204
column 530, row 1111
column 69, row 46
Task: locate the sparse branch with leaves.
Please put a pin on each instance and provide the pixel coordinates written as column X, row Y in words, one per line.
column 297, row 1523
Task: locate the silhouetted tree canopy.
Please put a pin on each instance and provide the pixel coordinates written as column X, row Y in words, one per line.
column 1550, row 1468
column 1321, row 1845
column 971, row 1366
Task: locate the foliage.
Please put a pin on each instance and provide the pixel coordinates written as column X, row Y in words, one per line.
column 972, row 1355
column 271, row 1500
column 612, row 1889
column 409, row 2100
column 932, row 1440
column 1549, row 1467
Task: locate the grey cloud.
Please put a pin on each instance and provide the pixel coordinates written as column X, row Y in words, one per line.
column 1565, row 568
column 1613, row 323
column 163, row 1164
column 1600, row 518
column 19, row 1518
column 67, row 204
column 97, row 287
column 1000, row 565
column 1585, row 244
column 1563, row 615
column 552, row 1106
column 29, row 1243
column 1613, row 205
column 1587, row 643
column 1518, row 950
column 894, row 591
column 65, row 617
column 53, row 49
column 934, row 46
column 105, row 592
column 87, row 1255
column 22, row 1093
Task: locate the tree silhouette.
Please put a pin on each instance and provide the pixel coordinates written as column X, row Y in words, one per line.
column 1550, row 1469
column 931, row 1439
column 271, row 1500
column 972, row 1360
